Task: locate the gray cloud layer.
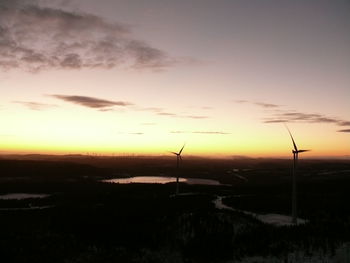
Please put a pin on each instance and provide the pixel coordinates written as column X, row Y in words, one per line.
column 35, row 38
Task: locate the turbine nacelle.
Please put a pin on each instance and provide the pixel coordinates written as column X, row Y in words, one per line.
column 179, row 153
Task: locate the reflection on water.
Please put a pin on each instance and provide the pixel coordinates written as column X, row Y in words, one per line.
column 161, row 180
column 26, row 208
column 20, row 196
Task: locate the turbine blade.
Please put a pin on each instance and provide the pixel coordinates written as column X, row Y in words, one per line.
column 295, row 146
column 182, row 148
column 180, row 157
column 173, row 153
column 301, row 151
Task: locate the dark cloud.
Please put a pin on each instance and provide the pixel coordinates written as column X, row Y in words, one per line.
column 278, row 115
column 294, row 116
column 110, row 105
column 266, row 105
column 258, row 103
column 92, row 102
column 36, row 38
column 275, row 121
column 146, row 56
column 106, row 109
column 344, row 123
column 345, row 130
column 35, row 105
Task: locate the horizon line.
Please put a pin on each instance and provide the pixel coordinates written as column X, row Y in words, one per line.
column 135, row 155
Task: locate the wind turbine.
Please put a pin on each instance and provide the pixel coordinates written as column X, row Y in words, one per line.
column 178, row 159
column 295, row 152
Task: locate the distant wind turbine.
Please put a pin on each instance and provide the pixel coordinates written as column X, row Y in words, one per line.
column 178, row 159
column 296, row 152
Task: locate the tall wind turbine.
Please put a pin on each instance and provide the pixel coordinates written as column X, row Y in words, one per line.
column 178, row 159
column 295, row 152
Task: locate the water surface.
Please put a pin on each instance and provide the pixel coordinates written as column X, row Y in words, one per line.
column 161, row 180
column 21, row 196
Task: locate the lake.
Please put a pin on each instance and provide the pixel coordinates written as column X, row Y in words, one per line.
column 20, row 196
column 161, row 180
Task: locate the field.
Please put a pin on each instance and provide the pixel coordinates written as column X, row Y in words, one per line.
column 82, row 219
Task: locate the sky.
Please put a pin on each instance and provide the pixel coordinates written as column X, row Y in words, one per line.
column 146, row 76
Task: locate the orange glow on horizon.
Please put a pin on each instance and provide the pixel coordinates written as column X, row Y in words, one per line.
column 282, row 150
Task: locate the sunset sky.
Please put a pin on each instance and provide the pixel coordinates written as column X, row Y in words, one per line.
column 145, row 76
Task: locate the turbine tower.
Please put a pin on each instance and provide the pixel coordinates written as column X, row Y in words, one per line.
column 295, row 152
column 178, row 159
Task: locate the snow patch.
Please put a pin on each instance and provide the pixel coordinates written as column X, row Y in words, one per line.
column 273, row 219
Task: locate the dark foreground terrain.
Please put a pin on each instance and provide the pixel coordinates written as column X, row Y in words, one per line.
column 85, row 220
